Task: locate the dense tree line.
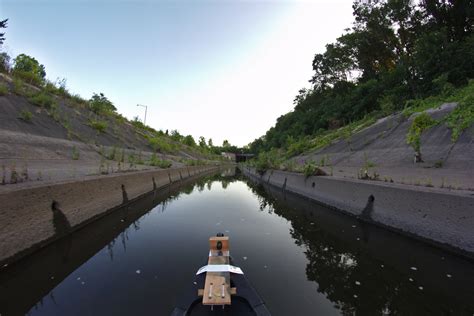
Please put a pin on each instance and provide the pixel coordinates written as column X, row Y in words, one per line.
column 395, row 51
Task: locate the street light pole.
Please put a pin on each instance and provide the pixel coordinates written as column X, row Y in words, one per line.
column 146, row 108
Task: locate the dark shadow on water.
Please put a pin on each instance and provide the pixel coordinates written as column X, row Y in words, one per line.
column 360, row 268
column 24, row 284
column 365, row 270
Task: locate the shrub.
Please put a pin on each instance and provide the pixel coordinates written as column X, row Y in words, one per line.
column 76, row 98
column 193, row 162
column 137, row 123
column 98, row 125
column 99, row 104
column 26, row 115
column 29, row 69
column 75, row 153
column 49, row 87
column 297, row 147
column 267, row 160
column 160, row 144
column 53, row 112
column 462, row 117
column 112, row 154
column 421, row 123
column 5, row 65
column 43, row 99
column 311, row 169
column 189, row 141
column 3, row 89
column 18, row 86
column 162, row 163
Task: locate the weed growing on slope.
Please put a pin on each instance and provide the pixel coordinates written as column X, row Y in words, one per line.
column 26, row 115
column 462, row 117
column 75, row 153
column 311, row 169
column 420, row 124
column 162, row 163
column 3, row 89
column 98, row 125
column 43, row 99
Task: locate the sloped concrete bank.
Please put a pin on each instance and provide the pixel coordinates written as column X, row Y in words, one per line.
column 32, row 218
column 442, row 218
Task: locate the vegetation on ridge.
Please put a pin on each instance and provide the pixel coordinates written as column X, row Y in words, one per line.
column 398, row 56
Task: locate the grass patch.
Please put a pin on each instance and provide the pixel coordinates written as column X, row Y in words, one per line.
column 327, row 137
column 43, row 99
column 161, row 145
column 420, row 124
column 112, row 154
column 3, row 89
column 18, row 87
column 26, row 115
column 462, row 117
column 98, row 125
column 157, row 162
column 311, row 169
column 438, row 164
column 456, row 95
column 75, row 153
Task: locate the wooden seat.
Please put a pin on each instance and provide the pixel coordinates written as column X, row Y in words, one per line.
column 217, row 289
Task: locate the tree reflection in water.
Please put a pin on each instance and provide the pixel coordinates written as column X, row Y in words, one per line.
column 354, row 265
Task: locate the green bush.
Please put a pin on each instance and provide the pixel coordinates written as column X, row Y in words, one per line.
column 113, row 153
column 162, row 163
column 161, row 145
column 75, row 153
column 76, row 98
column 98, row 125
column 297, row 147
column 462, row 117
column 26, row 115
column 137, row 123
column 190, row 162
column 18, row 86
column 266, row 161
column 309, row 168
column 29, row 69
column 99, row 104
column 421, row 123
column 43, row 99
column 3, row 89
column 49, row 87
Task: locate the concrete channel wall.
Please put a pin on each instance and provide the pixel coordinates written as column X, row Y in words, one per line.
column 443, row 218
column 31, row 218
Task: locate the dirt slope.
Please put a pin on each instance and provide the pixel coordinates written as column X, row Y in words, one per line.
column 61, row 144
column 382, row 148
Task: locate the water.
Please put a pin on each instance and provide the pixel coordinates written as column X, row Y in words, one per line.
column 302, row 258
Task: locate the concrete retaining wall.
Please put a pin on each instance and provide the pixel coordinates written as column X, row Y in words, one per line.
column 26, row 216
column 434, row 215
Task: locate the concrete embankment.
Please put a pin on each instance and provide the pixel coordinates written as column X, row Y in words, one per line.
column 31, row 218
column 443, row 218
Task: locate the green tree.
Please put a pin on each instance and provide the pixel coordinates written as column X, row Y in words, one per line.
column 176, row 136
column 189, row 140
column 202, row 142
column 4, row 62
column 29, row 69
column 3, row 25
column 99, row 104
column 225, row 143
column 209, row 143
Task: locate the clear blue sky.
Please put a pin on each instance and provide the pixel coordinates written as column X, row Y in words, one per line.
column 220, row 69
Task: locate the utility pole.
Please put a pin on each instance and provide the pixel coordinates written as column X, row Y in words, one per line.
column 146, row 108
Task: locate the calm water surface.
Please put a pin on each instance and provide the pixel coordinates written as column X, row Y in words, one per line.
column 302, row 258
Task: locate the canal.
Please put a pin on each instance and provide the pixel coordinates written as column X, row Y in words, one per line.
column 302, row 258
